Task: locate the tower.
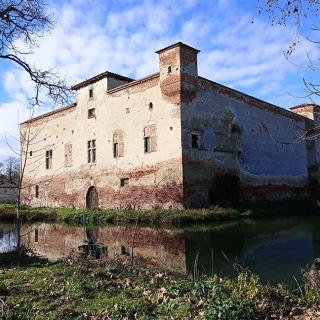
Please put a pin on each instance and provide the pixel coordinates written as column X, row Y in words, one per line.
column 178, row 72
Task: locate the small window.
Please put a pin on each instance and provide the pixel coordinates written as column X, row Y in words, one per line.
column 150, row 106
column 37, row 191
column 91, row 113
column 125, row 251
column 127, row 110
column 48, row 159
column 36, row 235
column 169, row 69
column 90, row 93
column 147, row 145
column 91, row 151
column 68, row 155
column 116, row 150
column 195, row 141
column 30, row 153
column 124, row 182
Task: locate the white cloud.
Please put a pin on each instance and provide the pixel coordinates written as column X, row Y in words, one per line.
column 123, row 39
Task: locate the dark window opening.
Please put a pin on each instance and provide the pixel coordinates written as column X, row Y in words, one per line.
column 90, row 93
column 147, row 145
column 30, row 153
column 91, row 151
column 150, row 106
column 36, row 235
column 169, row 69
column 126, row 251
column 37, row 191
column 91, row 113
column 116, row 150
column 124, row 182
column 195, row 141
column 48, row 159
column 127, row 110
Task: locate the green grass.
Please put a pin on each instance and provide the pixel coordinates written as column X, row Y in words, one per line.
column 79, row 288
column 171, row 216
column 159, row 216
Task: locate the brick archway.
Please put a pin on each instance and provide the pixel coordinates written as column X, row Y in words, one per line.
column 92, row 198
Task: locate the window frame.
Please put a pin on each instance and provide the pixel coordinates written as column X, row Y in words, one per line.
column 90, row 93
column 124, row 182
column 147, row 144
column 91, row 151
column 126, row 251
column 37, row 191
column 195, row 144
column 49, row 159
column 116, row 150
column 91, row 113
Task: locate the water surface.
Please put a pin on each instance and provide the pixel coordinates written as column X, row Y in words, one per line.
column 275, row 248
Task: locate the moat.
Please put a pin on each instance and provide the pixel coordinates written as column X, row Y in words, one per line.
column 276, row 249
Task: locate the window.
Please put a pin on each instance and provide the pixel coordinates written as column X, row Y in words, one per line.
column 48, row 159
column 91, row 151
column 126, row 251
column 150, row 106
column 37, row 191
column 90, row 93
column 116, row 150
column 36, row 235
column 118, row 144
column 30, row 153
column 127, row 110
column 150, row 138
column 91, row 113
column 169, row 69
column 68, row 155
column 195, row 141
column 147, row 145
column 124, row 182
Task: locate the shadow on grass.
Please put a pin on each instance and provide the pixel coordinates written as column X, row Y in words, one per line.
column 22, row 259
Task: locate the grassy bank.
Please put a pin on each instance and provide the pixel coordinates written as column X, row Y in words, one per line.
column 173, row 216
column 160, row 216
column 79, row 288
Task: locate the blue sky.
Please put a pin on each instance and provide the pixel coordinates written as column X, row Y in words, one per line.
column 239, row 48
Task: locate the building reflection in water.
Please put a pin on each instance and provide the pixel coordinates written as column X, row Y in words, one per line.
column 275, row 249
column 157, row 247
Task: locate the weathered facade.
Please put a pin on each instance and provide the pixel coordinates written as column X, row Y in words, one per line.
column 172, row 139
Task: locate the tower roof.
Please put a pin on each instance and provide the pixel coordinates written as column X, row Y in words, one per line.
column 178, row 44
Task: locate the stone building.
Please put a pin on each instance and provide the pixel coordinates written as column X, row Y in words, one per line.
column 171, row 139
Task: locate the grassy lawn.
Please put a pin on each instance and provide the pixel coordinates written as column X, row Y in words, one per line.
column 79, row 288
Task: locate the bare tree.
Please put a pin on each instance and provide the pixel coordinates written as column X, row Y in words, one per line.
column 22, row 24
column 12, row 170
column 302, row 15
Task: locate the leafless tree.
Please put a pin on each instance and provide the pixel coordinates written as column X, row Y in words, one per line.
column 302, row 15
column 22, row 24
column 12, row 170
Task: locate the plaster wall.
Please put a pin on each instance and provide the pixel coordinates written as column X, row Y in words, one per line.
column 257, row 144
column 155, row 178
